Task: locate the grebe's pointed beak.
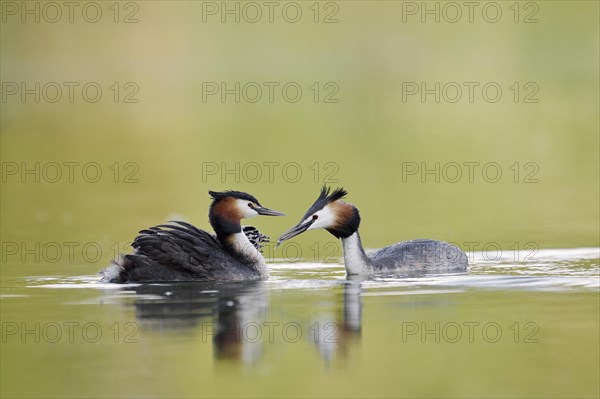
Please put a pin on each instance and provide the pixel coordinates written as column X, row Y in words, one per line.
column 267, row 212
column 294, row 231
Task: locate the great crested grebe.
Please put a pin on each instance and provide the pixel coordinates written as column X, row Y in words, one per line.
column 182, row 252
column 342, row 219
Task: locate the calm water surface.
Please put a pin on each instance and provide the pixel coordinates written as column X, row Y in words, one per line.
column 505, row 329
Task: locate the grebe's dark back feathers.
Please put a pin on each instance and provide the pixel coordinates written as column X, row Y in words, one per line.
column 181, row 252
column 177, row 247
column 177, row 252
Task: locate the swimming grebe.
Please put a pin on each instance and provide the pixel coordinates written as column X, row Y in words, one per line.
column 182, row 252
column 341, row 219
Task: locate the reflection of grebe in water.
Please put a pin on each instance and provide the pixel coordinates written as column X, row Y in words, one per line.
column 220, row 310
column 336, row 335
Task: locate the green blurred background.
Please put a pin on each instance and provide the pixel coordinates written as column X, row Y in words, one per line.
column 363, row 140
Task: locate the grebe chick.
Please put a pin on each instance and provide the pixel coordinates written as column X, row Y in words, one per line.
column 342, row 219
column 182, row 252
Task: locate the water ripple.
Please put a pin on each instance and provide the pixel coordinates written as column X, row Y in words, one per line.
column 553, row 269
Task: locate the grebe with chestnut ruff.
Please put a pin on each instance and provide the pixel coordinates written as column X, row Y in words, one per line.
column 182, row 252
column 342, row 219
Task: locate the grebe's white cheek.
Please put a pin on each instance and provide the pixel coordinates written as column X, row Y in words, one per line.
column 314, row 226
column 317, row 225
column 326, row 219
column 245, row 210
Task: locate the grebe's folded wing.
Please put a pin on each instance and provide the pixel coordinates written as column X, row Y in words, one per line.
column 182, row 246
column 420, row 255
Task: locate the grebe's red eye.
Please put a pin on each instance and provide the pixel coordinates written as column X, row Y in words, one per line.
column 315, row 217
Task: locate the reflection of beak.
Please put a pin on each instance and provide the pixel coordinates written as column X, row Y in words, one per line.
column 294, row 231
column 267, row 212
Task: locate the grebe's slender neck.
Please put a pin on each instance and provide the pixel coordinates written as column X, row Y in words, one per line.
column 355, row 258
column 228, row 228
column 243, row 250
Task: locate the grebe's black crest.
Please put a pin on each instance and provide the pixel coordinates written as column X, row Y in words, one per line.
column 325, row 197
column 233, row 194
column 340, row 219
